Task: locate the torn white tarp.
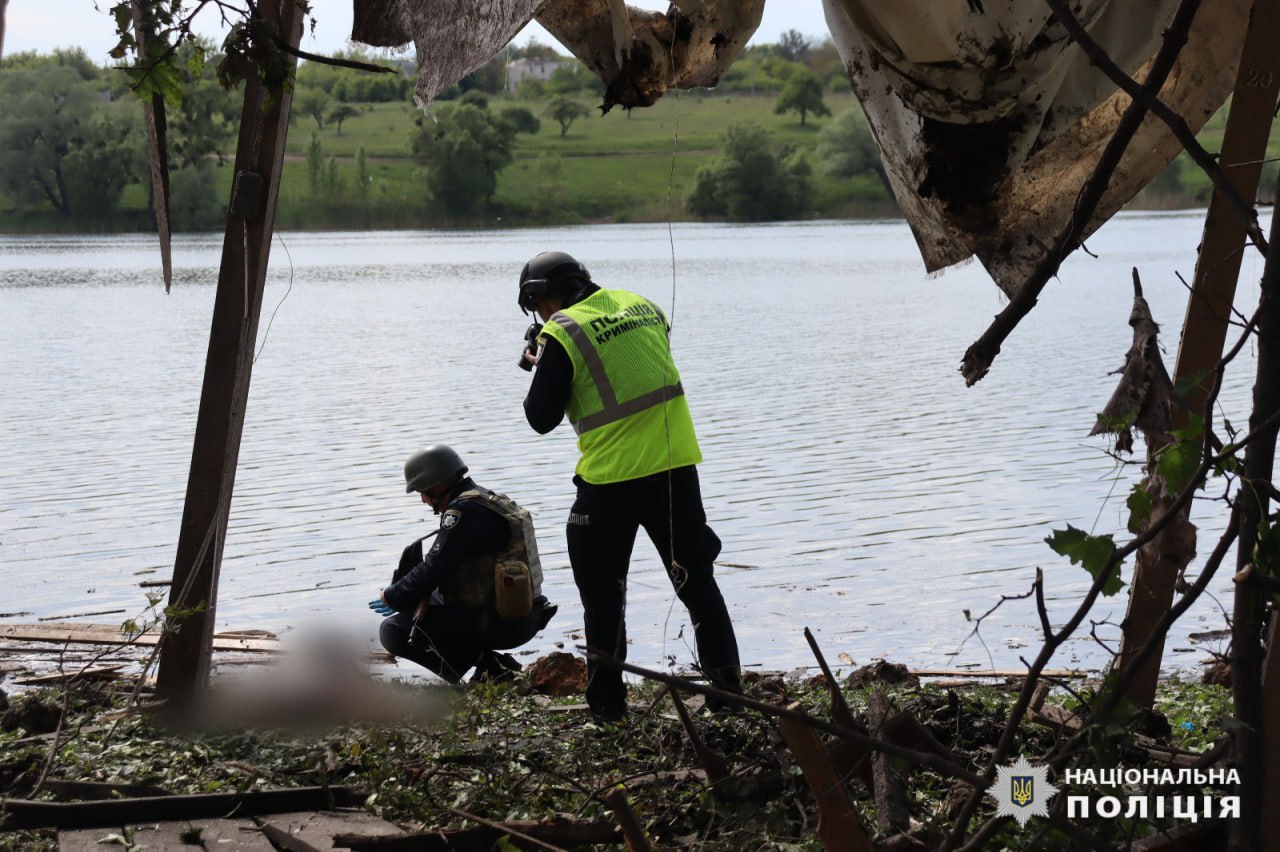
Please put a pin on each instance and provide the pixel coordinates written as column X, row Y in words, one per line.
column 452, row 37
column 989, row 119
column 639, row 54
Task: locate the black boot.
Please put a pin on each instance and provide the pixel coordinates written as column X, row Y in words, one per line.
column 493, row 667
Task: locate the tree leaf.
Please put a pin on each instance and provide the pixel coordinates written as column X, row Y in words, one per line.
column 1178, row 463
column 1140, row 505
column 1091, row 551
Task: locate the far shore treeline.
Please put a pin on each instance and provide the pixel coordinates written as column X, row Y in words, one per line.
column 781, row 137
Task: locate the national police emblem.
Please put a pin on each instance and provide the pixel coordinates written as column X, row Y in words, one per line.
column 1022, row 791
column 450, row 518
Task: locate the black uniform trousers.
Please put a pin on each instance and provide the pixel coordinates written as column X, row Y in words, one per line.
column 451, row 638
column 601, row 533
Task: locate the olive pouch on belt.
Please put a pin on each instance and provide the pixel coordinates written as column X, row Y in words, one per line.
column 517, row 573
column 512, row 588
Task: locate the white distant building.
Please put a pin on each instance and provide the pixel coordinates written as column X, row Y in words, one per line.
column 530, row 69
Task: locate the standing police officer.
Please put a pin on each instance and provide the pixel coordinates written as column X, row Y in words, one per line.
column 445, row 603
column 605, row 362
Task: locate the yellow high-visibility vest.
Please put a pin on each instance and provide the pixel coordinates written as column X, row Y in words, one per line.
column 626, row 403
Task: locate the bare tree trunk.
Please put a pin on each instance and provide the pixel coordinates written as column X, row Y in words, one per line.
column 1204, row 328
column 3, row 4
column 1250, row 599
column 184, row 659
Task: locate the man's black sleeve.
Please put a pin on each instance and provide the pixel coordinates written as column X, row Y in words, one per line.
column 549, row 393
column 473, row 530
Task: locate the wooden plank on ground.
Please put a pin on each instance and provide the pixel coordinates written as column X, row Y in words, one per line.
column 24, row 813
column 1064, row 673
column 99, row 790
column 75, row 675
column 106, row 634
column 225, row 835
column 1054, row 716
column 557, row 832
column 314, row 832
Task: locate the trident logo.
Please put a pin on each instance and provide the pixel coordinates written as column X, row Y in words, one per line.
column 1022, row 789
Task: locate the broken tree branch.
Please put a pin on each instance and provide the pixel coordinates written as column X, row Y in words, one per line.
column 977, row 359
column 929, row 761
column 839, row 823
column 632, row 830
column 712, row 761
column 1176, row 123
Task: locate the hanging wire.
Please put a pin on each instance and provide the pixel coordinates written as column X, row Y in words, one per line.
column 677, row 573
column 272, row 319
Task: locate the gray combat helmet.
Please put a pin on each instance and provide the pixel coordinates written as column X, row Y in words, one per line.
column 429, row 467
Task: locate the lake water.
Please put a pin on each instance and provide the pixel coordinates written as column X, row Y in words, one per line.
column 859, row 487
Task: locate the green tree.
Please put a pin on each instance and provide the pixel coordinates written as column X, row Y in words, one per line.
column 847, row 149
column 532, row 90
column 313, row 102
column 341, row 113
column 194, row 201
column 565, row 111
column 534, row 50
column 750, row 182
column 74, row 58
column 573, row 78
column 200, row 132
column 203, row 126
column 363, row 178
column 315, row 163
column 490, row 77
column 548, row 196
column 794, row 47
column 334, row 184
column 803, row 94
column 520, row 120
column 475, row 97
column 61, row 144
column 463, row 148
column 355, row 85
column 827, row 65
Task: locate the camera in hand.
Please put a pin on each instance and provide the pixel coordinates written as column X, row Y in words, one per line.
column 530, row 345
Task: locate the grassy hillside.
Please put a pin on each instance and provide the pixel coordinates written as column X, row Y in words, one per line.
column 636, row 166
column 620, row 166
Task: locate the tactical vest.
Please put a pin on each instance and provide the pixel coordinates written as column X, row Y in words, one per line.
column 626, row 403
column 474, row 585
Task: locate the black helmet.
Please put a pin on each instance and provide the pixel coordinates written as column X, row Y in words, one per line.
column 544, row 272
column 429, row 467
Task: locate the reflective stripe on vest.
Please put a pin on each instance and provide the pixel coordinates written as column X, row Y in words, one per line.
column 612, row 410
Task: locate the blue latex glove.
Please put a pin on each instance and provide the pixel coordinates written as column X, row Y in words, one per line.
column 381, row 608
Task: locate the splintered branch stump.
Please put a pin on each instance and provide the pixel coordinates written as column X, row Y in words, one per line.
column 890, row 792
column 840, row 827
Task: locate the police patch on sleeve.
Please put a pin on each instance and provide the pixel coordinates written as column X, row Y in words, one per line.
column 449, row 519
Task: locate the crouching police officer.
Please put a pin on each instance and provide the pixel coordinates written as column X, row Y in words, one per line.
column 477, row 590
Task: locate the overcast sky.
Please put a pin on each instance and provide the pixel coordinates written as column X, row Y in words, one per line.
column 42, row 25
